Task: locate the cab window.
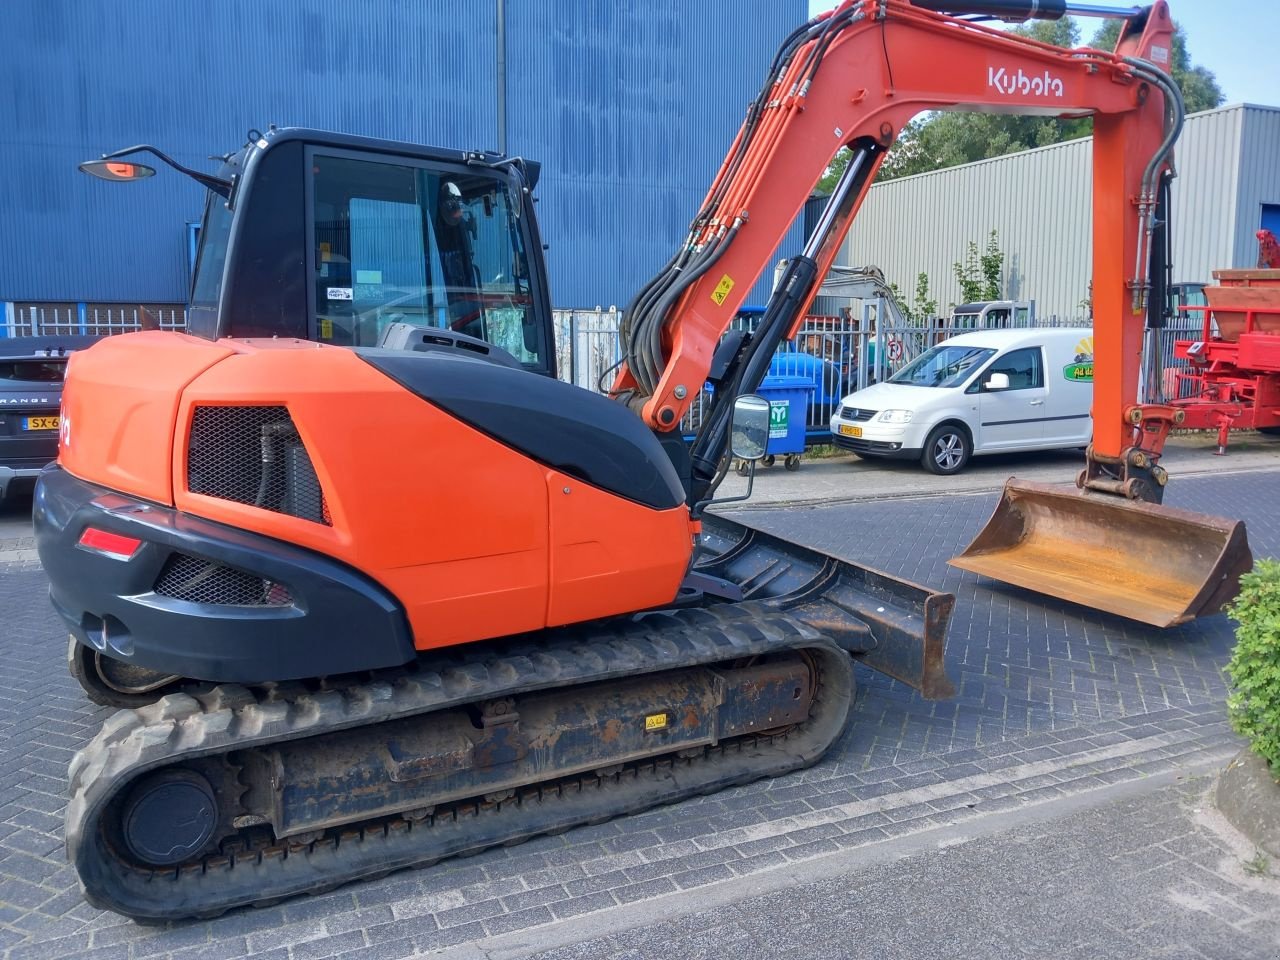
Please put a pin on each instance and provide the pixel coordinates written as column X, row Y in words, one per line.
column 427, row 246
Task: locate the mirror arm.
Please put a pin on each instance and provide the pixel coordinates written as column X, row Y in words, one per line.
column 701, row 505
column 216, row 184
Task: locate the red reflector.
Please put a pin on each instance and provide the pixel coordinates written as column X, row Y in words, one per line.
column 112, row 544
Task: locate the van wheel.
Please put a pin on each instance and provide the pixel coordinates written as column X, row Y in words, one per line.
column 947, row 450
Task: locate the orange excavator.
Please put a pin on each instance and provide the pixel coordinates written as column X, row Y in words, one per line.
column 383, row 590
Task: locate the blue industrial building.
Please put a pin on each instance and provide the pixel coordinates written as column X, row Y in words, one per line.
column 630, row 106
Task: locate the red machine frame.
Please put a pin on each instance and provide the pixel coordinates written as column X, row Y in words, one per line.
column 1235, row 383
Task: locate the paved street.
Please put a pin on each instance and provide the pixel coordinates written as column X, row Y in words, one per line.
column 1053, row 808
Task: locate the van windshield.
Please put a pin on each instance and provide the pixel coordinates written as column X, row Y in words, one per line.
column 945, row 365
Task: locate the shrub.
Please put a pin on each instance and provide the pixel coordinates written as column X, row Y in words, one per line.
column 1254, row 702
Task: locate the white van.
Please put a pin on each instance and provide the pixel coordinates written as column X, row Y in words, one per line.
column 991, row 391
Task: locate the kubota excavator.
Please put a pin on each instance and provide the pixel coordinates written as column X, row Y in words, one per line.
column 397, row 593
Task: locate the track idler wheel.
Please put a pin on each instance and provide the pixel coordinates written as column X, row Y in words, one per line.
column 169, row 817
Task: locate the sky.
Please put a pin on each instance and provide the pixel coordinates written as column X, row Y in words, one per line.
column 1239, row 40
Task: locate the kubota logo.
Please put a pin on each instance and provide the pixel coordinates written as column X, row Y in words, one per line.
column 1019, row 84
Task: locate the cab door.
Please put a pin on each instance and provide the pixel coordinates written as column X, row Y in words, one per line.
column 1013, row 418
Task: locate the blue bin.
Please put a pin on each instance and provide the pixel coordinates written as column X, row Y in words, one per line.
column 788, row 412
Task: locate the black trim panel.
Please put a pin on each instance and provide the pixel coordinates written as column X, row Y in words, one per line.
column 1005, row 423
column 565, row 427
column 340, row 621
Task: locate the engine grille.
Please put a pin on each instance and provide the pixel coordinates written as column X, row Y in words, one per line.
column 185, row 577
column 254, row 455
column 856, row 414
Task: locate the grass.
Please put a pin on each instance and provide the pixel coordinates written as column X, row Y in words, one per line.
column 1258, row 865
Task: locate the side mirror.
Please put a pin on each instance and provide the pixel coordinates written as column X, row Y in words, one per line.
column 117, row 170
column 997, row 381
column 749, row 432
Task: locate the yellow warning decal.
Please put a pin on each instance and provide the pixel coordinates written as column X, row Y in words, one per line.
column 326, row 328
column 722, row 289
column 656, row 721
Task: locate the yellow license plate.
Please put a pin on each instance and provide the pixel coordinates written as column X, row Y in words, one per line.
column 848, row 430
column 40, row 423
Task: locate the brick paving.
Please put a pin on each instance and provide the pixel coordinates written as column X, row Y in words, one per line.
column 1053, row 700
column 1145, row 877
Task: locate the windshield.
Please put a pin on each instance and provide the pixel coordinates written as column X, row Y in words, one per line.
column 412, row 244
column 945, row 365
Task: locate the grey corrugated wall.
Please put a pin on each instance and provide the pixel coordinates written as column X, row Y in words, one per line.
column 1259, row 178
column 1039, row 202
column 630, row 105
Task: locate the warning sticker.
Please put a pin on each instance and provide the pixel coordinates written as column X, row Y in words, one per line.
column 722, row 289
column 339, row 293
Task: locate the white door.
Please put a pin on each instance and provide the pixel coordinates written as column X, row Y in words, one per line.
column 1013, row 418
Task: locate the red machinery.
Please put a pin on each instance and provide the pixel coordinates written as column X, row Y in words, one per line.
column 1234, row 373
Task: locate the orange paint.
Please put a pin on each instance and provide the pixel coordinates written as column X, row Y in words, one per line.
column 474, row 539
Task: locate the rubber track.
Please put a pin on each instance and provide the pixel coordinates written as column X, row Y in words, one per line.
column 181, row 727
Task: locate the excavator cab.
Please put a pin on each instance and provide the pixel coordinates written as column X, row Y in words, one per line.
column 389, row 233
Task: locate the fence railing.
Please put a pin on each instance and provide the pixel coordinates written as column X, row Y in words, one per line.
column 837, row 353
column 93, row 319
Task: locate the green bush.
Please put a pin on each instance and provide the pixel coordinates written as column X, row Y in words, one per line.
column 1254, row 703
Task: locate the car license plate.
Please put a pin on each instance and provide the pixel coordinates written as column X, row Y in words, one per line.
column 39, row 423
column 848, row 430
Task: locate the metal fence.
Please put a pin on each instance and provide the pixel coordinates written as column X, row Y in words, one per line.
column 838, row 354
column 93, row 319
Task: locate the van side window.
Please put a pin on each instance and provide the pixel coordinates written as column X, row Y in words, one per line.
column 1025, row 368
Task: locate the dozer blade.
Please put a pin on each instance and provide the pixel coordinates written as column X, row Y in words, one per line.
column 1151, row 563
column 892, row 625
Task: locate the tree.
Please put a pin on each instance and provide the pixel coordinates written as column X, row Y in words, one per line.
column 981, row 272
column 922, row 308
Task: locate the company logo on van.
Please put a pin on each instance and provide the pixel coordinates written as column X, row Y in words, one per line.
column 1080, row 370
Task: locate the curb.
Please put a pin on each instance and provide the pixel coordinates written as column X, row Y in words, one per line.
column 1249, row 797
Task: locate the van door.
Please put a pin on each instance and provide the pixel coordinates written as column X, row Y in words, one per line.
column 1013, row 418
column 1070, row 373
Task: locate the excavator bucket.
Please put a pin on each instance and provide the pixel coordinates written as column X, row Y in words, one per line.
column 1151, row 563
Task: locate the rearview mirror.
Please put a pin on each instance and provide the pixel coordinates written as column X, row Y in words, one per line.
column 749, row 432
column 997, row 381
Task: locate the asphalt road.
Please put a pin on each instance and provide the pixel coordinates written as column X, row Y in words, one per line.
column 1052, row 808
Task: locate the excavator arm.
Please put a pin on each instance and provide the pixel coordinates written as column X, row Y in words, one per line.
column 854, row 78
column 858, row 76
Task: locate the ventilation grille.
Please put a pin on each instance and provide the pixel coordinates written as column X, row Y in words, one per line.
column 853, row 413
column 253, row 455
column 202, row 581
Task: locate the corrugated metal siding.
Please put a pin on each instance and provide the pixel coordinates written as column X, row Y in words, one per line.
column 617, row 100
column 1039, row 202
column 1259, row 178
column 191, row 78
column 632, row 119
column 1205, row 192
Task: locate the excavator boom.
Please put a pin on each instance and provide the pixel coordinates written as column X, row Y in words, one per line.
column 872, row 66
